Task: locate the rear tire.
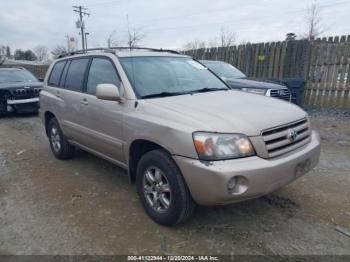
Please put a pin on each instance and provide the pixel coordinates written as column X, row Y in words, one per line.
column 59, row 144
column 162, row 190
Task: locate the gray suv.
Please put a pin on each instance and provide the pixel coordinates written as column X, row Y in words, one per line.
column 182, row 134
column 237, row 80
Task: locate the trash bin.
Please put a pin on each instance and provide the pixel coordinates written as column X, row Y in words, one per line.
column 296, row 87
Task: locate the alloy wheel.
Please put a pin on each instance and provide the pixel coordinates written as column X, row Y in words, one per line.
column 55, row 139
column 156, row 189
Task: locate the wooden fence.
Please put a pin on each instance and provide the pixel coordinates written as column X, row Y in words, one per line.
column 324, row 64
column 38, row 70
column 328, row 75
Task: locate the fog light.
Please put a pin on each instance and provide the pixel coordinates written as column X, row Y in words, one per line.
column 10, row 109
column 231, row 184
column 237, row 185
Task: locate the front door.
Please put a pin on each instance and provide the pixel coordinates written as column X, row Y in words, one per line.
column 102, row 120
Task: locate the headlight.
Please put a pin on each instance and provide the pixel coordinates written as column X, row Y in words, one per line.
column 258, row 91
column 215, row 146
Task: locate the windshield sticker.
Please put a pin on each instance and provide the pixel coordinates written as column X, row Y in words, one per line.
column 196, row 65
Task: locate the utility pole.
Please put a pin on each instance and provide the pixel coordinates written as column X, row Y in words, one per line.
column 80, row 23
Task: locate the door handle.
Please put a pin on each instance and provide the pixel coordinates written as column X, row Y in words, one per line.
column 58, row 94
column 84, row 102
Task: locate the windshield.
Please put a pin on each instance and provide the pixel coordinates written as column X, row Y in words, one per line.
column 8, row 76
column 224, row 70
column 169, row 76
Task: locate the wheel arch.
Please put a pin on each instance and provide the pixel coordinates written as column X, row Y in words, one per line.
column 137, row 149
column 48, row 116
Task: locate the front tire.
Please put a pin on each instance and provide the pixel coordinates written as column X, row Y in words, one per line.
column 162, row 190
column 59, row 144
column 3, row 106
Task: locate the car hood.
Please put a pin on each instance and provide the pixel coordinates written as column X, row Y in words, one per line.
column 14, row 85
column 223, row 111
column 243, row 82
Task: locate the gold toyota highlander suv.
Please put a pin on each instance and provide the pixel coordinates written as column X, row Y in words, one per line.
column 181, row 133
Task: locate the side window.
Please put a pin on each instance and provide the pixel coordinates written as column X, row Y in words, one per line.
column 64, row 73
column 76, row 73
column 56, row 73
column 102, row 71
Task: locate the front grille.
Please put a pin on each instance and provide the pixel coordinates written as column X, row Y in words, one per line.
column 26, row 108
column 24, row 93
column 280, row 93
column 283, row 139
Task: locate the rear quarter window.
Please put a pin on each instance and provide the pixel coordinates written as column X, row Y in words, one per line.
column 56, row 73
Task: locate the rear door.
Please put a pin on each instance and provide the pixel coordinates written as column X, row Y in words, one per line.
column 74, row 76
column 102, row 120
column 50, row 99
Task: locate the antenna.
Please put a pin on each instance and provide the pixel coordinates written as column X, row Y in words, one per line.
column 129, row 36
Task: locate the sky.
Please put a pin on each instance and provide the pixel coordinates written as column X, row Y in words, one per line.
column 164, row 23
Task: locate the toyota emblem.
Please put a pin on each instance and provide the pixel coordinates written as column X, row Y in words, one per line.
column 292, row 135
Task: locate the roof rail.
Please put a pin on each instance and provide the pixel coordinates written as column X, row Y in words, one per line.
column 144, row 48
column 112, row 50
column 108, row 50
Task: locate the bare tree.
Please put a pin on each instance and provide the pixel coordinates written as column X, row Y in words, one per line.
column 213, row 43
column 8, row 52
column 193, row 45
column 227, row 38
column 134, row 37
column 313, row 20
column 58, row 50
column 131, row 38
column 2, row 54
column 41, row 52
column 112, row 40
column 291, row 36
column 244, row 42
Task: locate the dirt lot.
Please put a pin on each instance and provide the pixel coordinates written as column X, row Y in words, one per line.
column 87, row 206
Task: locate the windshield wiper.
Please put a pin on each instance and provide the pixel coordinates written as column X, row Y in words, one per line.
column 208, row 89
column 164, row 94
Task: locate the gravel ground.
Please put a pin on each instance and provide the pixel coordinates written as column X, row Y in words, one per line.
column 87, row 206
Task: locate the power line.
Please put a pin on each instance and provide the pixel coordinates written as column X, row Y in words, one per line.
column 152, row 28
column 322, row 5
column 106, row 3
column 80, row 23
column 325, row 4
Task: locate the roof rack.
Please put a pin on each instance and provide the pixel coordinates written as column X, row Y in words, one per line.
column 144, row 48
column 108, row 50
column 112, row 50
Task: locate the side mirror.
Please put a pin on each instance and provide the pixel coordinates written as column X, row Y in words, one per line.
column 108, row 92
column 41, row 79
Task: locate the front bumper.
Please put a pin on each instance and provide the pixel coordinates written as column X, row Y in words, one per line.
column 208, row 181
column 23, row 101
column 23, row 105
